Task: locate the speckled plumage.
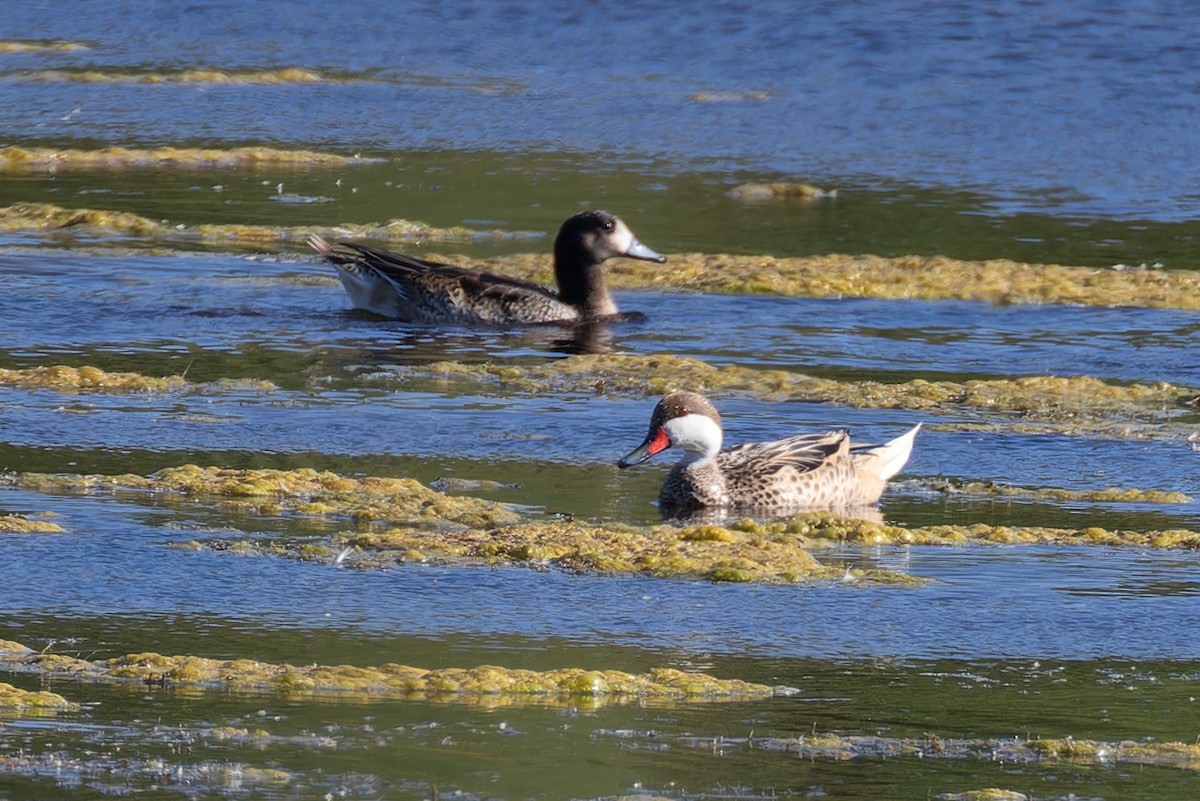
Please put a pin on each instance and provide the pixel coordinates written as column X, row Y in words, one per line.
column 807, row 471
column 416, row 290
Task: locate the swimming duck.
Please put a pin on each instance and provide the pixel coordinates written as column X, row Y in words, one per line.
column 808, row 471
column 415, row 290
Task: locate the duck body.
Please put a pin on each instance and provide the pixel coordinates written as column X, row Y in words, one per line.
column 407, row 288
column 807, row 471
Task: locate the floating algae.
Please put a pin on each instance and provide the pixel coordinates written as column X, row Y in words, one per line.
column 19, row 524
column 703, row 552
column 281, row 76
column 999, row 281
column 27, row 159
column 115, row 773
column 1009, row 750
column 62, row 378
column 1069, row 401
column 727, row 97
column 794, row 190
column 66, row 379
column 303, row 492
column 388, row 680
column 39, row 46
column 1108, row 495
column 25, row 702
column 43, row 217
column 433, row 527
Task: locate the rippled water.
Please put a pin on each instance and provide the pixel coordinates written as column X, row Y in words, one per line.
column 1041, row 133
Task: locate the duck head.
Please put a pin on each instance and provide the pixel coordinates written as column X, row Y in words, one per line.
column 585, row 242
column 684, row 420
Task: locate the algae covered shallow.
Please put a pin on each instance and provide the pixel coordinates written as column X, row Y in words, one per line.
column 991, row 489
column 467, row 685
column 280, row 76
column 1008, row 750
column 1070, row 403
column 491, row 143
column 432, row 527
column 14, row 700
column 68, row 379
column 47, row 217
column 20, row 524
column 403, row 521
column 302, row 492
column 40, row 46
column 912, row 277
column 30, row 159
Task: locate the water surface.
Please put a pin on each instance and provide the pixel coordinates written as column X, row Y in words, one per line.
column 1041, row 134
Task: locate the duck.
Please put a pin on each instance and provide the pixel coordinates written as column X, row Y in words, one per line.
column 407, row 288
column 823, row 471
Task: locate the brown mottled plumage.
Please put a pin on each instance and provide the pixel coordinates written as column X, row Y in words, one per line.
column 808, row 471
column 407, row 288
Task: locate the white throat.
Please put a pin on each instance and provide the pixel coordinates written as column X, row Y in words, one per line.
column 697, row 435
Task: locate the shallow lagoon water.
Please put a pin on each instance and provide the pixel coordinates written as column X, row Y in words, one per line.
column 1044, row 135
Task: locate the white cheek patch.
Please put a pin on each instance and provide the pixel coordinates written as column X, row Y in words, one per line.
column 621, row 238
column 697, row 434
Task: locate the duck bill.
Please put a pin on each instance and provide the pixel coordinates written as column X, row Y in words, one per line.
column 639, row 251
column 656, row 442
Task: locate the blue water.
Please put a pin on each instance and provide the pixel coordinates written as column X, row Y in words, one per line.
column 1033, row 131
column 1077, row 108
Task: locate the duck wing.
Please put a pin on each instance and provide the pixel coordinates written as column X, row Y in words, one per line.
column 802, row 453
column 399, row 267
column 450, row 291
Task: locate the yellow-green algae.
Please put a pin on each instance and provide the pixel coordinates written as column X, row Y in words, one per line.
column 14, row 699
column 64, row 378
column 43, row 217
column 748, row 550
column 727, row 97
column 430, row 526
column 67, row 379
column 283, row 75
column 20, row 524
column 791, row 190
column 304, row 492
column 999, row 281
column 1046, row 398
column 986, row 794
column 39, row 46
column 25, row 159
column 1086, row 752
column 1107, row 495
column 699, row 552
column 388, row 680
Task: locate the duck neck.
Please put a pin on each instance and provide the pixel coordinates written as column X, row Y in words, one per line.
column 581, row 282
column 698, row 436
column 695, row 460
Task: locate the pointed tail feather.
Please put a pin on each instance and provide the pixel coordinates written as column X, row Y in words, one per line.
column 888, row 459
column 318, row 243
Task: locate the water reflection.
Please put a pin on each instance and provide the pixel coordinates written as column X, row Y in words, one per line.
column 733, row 514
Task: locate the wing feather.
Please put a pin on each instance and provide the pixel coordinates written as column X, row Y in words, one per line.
column 803, row 452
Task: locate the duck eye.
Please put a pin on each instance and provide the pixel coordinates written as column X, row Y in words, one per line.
column 608, row 225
